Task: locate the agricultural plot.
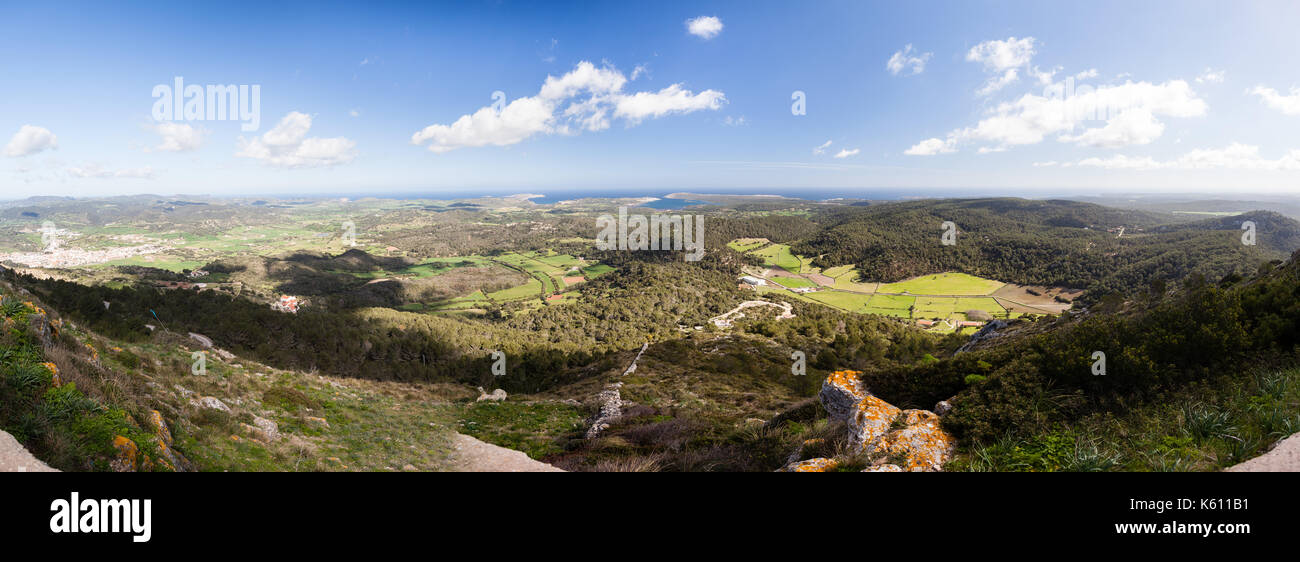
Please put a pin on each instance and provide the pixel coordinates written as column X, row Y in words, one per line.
column 890, row 305
column 743, row 245
column 529, row 290
column 838, row 271
column 948, row 296
column 851, row 302
column 792, row 282
column 957, row 284
column 593, row 271
column 778, row 255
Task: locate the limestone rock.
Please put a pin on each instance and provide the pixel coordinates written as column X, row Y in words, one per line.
column 610, row 407
column 943, row 407
column 812, row 465
column 160, row 427
column 923, row 443
column 497, row 395
column 127, row 455
column 869, row 423
column 840, row 392
column 214, row 403
column 269, row 429
column 884, row 468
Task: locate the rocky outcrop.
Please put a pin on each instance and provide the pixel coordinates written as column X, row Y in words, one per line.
column 168, row 457
column 989, row 331
column 870, row 422
column 922, row 443
column 841, row 391
column 609, row 407
column 497, row 395
column 127, row 454
column 213, row 403
column 908, row 440
column 15, row 458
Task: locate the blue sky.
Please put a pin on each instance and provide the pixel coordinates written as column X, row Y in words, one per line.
column 1198, row 97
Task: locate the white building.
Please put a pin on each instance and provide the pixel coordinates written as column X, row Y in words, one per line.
column 751, row 280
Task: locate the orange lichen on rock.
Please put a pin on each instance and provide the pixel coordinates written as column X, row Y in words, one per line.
column 812, row 465
column 924, row 444
column 840, row 392
column 127, row 453
column 883, row 468
column 869, row 423
column 56, row 380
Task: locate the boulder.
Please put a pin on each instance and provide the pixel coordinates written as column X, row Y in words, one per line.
column 924, row 445
column 884, row 468
column 869, row 423
column 943, row 407
column 269, row 429
column 214, row 403
column 840, row 392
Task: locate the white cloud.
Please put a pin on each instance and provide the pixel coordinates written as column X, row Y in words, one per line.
column 735, row 121
column 1044, row 76
column 354, row 113
column 706, row 27
column 672, row 99
column 905, row 58
column 822, row 149
column 586, row 97
column 30, row 139
column 287, row 145
column 1002, row 59
column 845, row 153
column 1210, row 76
column 1090, row 73
column 1131, row 127
column 1288, row 104
column 930, row 147
column 1128, row 110
column 639, row 71
column 178, row 137
column 1232, row 157
column 97, row 171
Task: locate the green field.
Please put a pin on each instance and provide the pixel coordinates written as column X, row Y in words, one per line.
column 531, row 289
column 890, row 305
column 597, row 270
column 852, row 302
column 959, row 284
column 837, row 271
column 792, row 282
column 778, row 255
column 743, row 247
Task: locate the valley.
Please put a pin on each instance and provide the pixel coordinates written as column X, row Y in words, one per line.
column 403, row 308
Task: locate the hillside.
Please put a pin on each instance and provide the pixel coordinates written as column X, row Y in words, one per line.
column 1055, row 243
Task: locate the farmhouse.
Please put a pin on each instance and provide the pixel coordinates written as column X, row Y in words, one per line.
column 286, row 303
column 924, row 322
column 751, row 280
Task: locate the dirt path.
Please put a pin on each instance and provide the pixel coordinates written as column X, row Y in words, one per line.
column 471, row 455
column 724, row 320
column 1283, row 458
column 14, row 458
